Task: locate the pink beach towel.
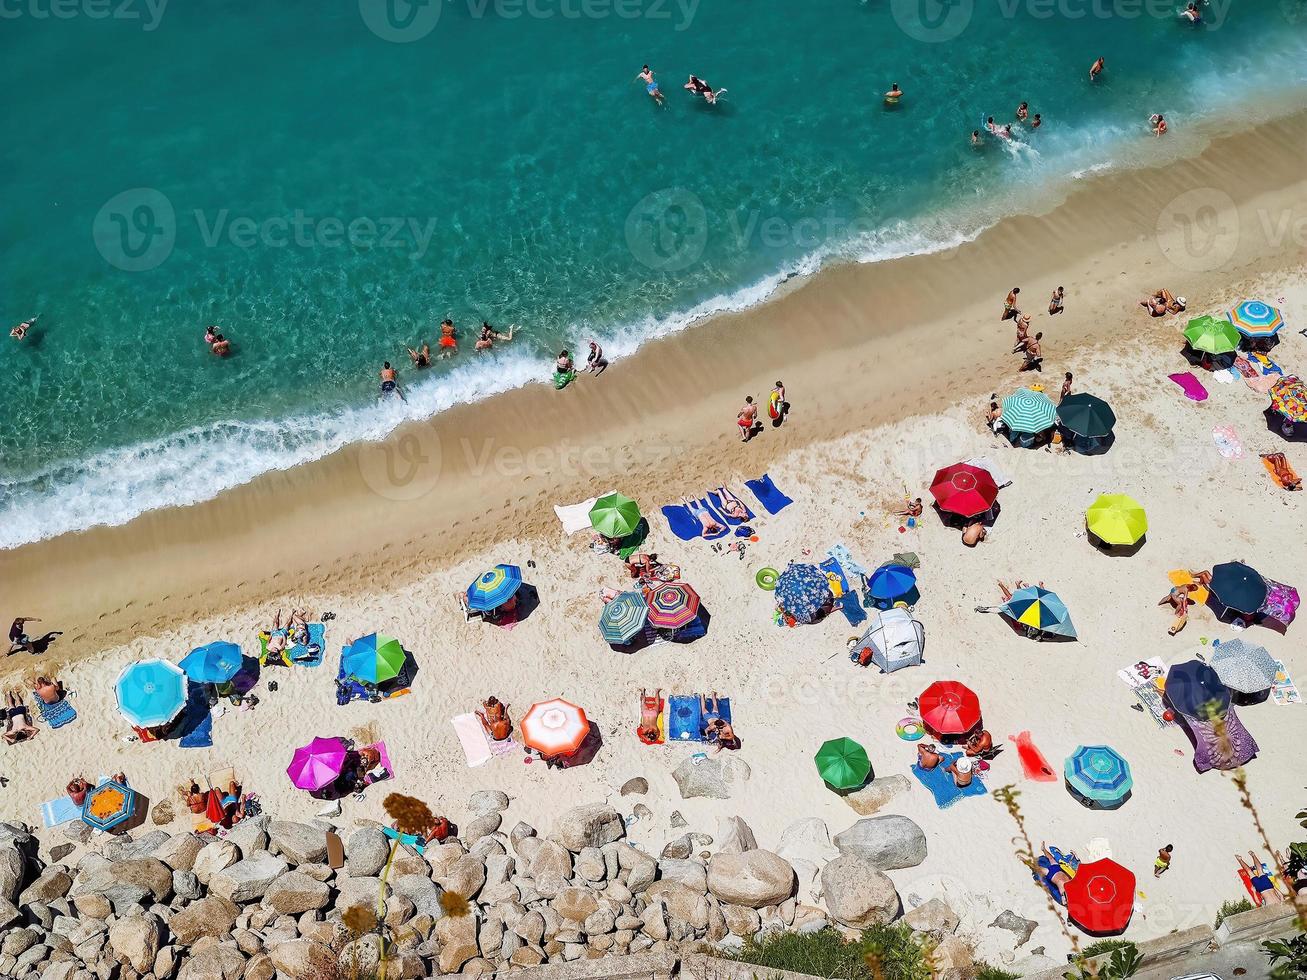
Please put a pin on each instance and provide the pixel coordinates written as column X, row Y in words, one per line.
column 385, row 757
column 1227, row 442
column 1190, row 385
column 473, row 739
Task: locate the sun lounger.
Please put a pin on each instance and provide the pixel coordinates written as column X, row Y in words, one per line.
column 59, row 810
column 772, row 500
column 941, row 785
column 1190, row 385
column 55, row 715
column 472, row 737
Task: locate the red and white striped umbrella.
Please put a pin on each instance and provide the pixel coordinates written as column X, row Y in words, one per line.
column 554, row 727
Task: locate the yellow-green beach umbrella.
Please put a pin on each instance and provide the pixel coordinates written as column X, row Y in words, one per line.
column 616, row 516
column 1115, row 518
column 1209, row 335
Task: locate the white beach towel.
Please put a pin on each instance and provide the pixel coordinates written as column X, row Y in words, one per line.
column 1097, row 849
column 1000, row 476
column 576, row 517
column 473, row 739
column 1142, row 672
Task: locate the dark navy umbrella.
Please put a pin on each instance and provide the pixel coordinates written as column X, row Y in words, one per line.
column 1238, row 587
column 1194, row 689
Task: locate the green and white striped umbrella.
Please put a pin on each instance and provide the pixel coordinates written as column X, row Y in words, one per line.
column 1028, row 411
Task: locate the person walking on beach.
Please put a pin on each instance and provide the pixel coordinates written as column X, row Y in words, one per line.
column 1034, row 354
column 1066, row 387
column 1096, row 69
column 777, row 406
column 1056, row 300
column 1163, row 861
column 390, row 382
column 1010, row 304
column 746, row 418
column 595, row 361
column 19, row 640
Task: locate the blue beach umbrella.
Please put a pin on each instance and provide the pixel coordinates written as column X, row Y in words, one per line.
column 623, row 617
column 891, row 581
column 1256, row 320
column 494, row 588
column 1028, row 411
column 1040, row 610
column 803, row 591
column 1097, row 775
column 151, row 692
column 1195, row 689
column 108, row 805
column 373, row 658
column 213, row 663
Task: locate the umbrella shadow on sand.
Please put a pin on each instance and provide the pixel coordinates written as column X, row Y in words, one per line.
column 1275, row 422
column 588, row 749
column 1115, row 550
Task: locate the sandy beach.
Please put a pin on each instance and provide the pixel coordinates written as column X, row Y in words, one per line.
column 888, row 368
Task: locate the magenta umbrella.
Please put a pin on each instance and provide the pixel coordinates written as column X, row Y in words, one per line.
column 317, row 764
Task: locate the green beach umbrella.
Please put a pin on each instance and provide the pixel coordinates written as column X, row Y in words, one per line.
column 616, row 516
column 374, row 658
column 843, row 763
column 1115, row 518
column 1208, row 335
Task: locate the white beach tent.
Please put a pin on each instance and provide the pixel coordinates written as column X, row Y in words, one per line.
column 896, row 640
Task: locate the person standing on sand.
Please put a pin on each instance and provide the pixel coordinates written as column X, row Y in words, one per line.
column 1163, row 861
column 777, row 407
column 1066, row 387
column 746, row 418
column 1055, row 301
column 1010, row 304
column 1034, row 354
column 1023, row 334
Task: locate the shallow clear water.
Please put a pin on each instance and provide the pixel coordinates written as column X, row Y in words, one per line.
column 326, row 194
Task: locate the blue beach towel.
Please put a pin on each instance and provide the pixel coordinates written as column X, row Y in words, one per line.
column 725, row 526
column 842, row 555
column 681, row 521
column 299, row 653
column 58, row 714
column 59, row 811
column 684, row 720
column 412, row 840
column 941, row 785
column 197, row 721
column 771, row 499
column 715, row 499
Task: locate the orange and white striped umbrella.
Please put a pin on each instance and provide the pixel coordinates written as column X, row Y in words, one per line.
column 554, row 727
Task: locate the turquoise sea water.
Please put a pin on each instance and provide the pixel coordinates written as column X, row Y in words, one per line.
column 325, row 184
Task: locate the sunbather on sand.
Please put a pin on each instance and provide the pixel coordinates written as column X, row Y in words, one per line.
column 77, row 789
column 494, row 719
column 18, row 726
column 1202, row 577
column 913, row 509
column 647, row 730
column 1178, row 599
column 706, row 520
column 1162, row 302
column 1060, row 877
column 1260, row 880
column 963, row 771
column 1284, row 473
column 50, row 692
column 928, row 756
column 974, row 533
column 994, row 417
column 732, row 505
column 716, row 729
column 195, row 798
column 643, row 565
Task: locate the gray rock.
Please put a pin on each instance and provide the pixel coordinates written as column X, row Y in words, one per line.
column 302, row 959
column 249, row 878
column 59, row 970
column 590, row 864
column 888, row 842
column 298, row 843
column 654, row 920
column 366, row 852
column 520, row 832
column 952, row 959
column 691, row 874
column 857, row 893
column 640, row 868
column 877, row 793
column 499, row 868
column 550, row 858
column 146, row 846
column 714, row 778
column 34, row 955
column 934, row 917
column 214, row 857
column 679, row 849
column 318, row 872
column 51, row 884
column 638, row 786
column 422, row 892
column 179, row 852
column 486, row 801
column 12, row 863
column 741, row 920
column 593, row 825
column 136, row 940
column 755, row 878
column 211, row 915
column 146, row 873
column 734, row 836
column 458, row 941
column 359, row 891
column 1009, row 920
column 293, row 893
column 531, row 927
column 186, row 886
column 61, row 851
column 165, row 962
column 677, row 821
column 465, row 877
column 18, row 941
column 251, row 835
column 481, row 826
column 76, row 831
column 9, row 914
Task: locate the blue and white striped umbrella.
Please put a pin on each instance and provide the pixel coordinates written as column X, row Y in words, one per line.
column 1028, row 411
column 623, row 617
column 1255, row 319
column 1098, row 774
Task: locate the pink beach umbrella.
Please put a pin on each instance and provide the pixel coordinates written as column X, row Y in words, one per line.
column 554, row 727
column 317, row 764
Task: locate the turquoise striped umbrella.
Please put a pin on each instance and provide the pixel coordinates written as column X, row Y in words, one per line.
column 1097, row 774
column 1028, row 411
column 151, row 692
column 1255, row 319
column 623, row 617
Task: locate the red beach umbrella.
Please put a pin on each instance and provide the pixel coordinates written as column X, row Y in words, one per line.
column 672, row 605
column 949, row 708
column 1101, row 897
column 964, row 489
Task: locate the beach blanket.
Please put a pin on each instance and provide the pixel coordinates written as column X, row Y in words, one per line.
column 685, row 721
column 772, row 500
column 1243, row 368
column 59, row 810
column 1001, row 477
column 842, row 555
column 1181, row 576
column 1193, row 388
column 941, row 785
column 197, row 720
column 715, row 499
column 472, row 737
column 1281, row 602
column 1293, row 474
column 1227, row 442
column 576, row 517
column 852, row 609
column 1268, row 366
column 297, row 655
column 1283, row 690
column 1263, row 384
column 839, row 583
column 1142, row 672
column 55, row 715
column 412, row 840
column 681, row 522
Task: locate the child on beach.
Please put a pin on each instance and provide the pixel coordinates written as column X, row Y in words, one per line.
column 1163, row 861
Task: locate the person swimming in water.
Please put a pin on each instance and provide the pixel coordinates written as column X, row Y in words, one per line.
column 20, row 332
column 421, row 357
column 1036, row 122
column 1096, row 69
column 390, row 381
column 1023, row 110
column 448, row 342
column 697, row 86
column 1002, row 132
column 1192, row 14
column 975, row 137
column 650, row 84
column 1158, row 124
column 894, row 94
column 486, row 339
